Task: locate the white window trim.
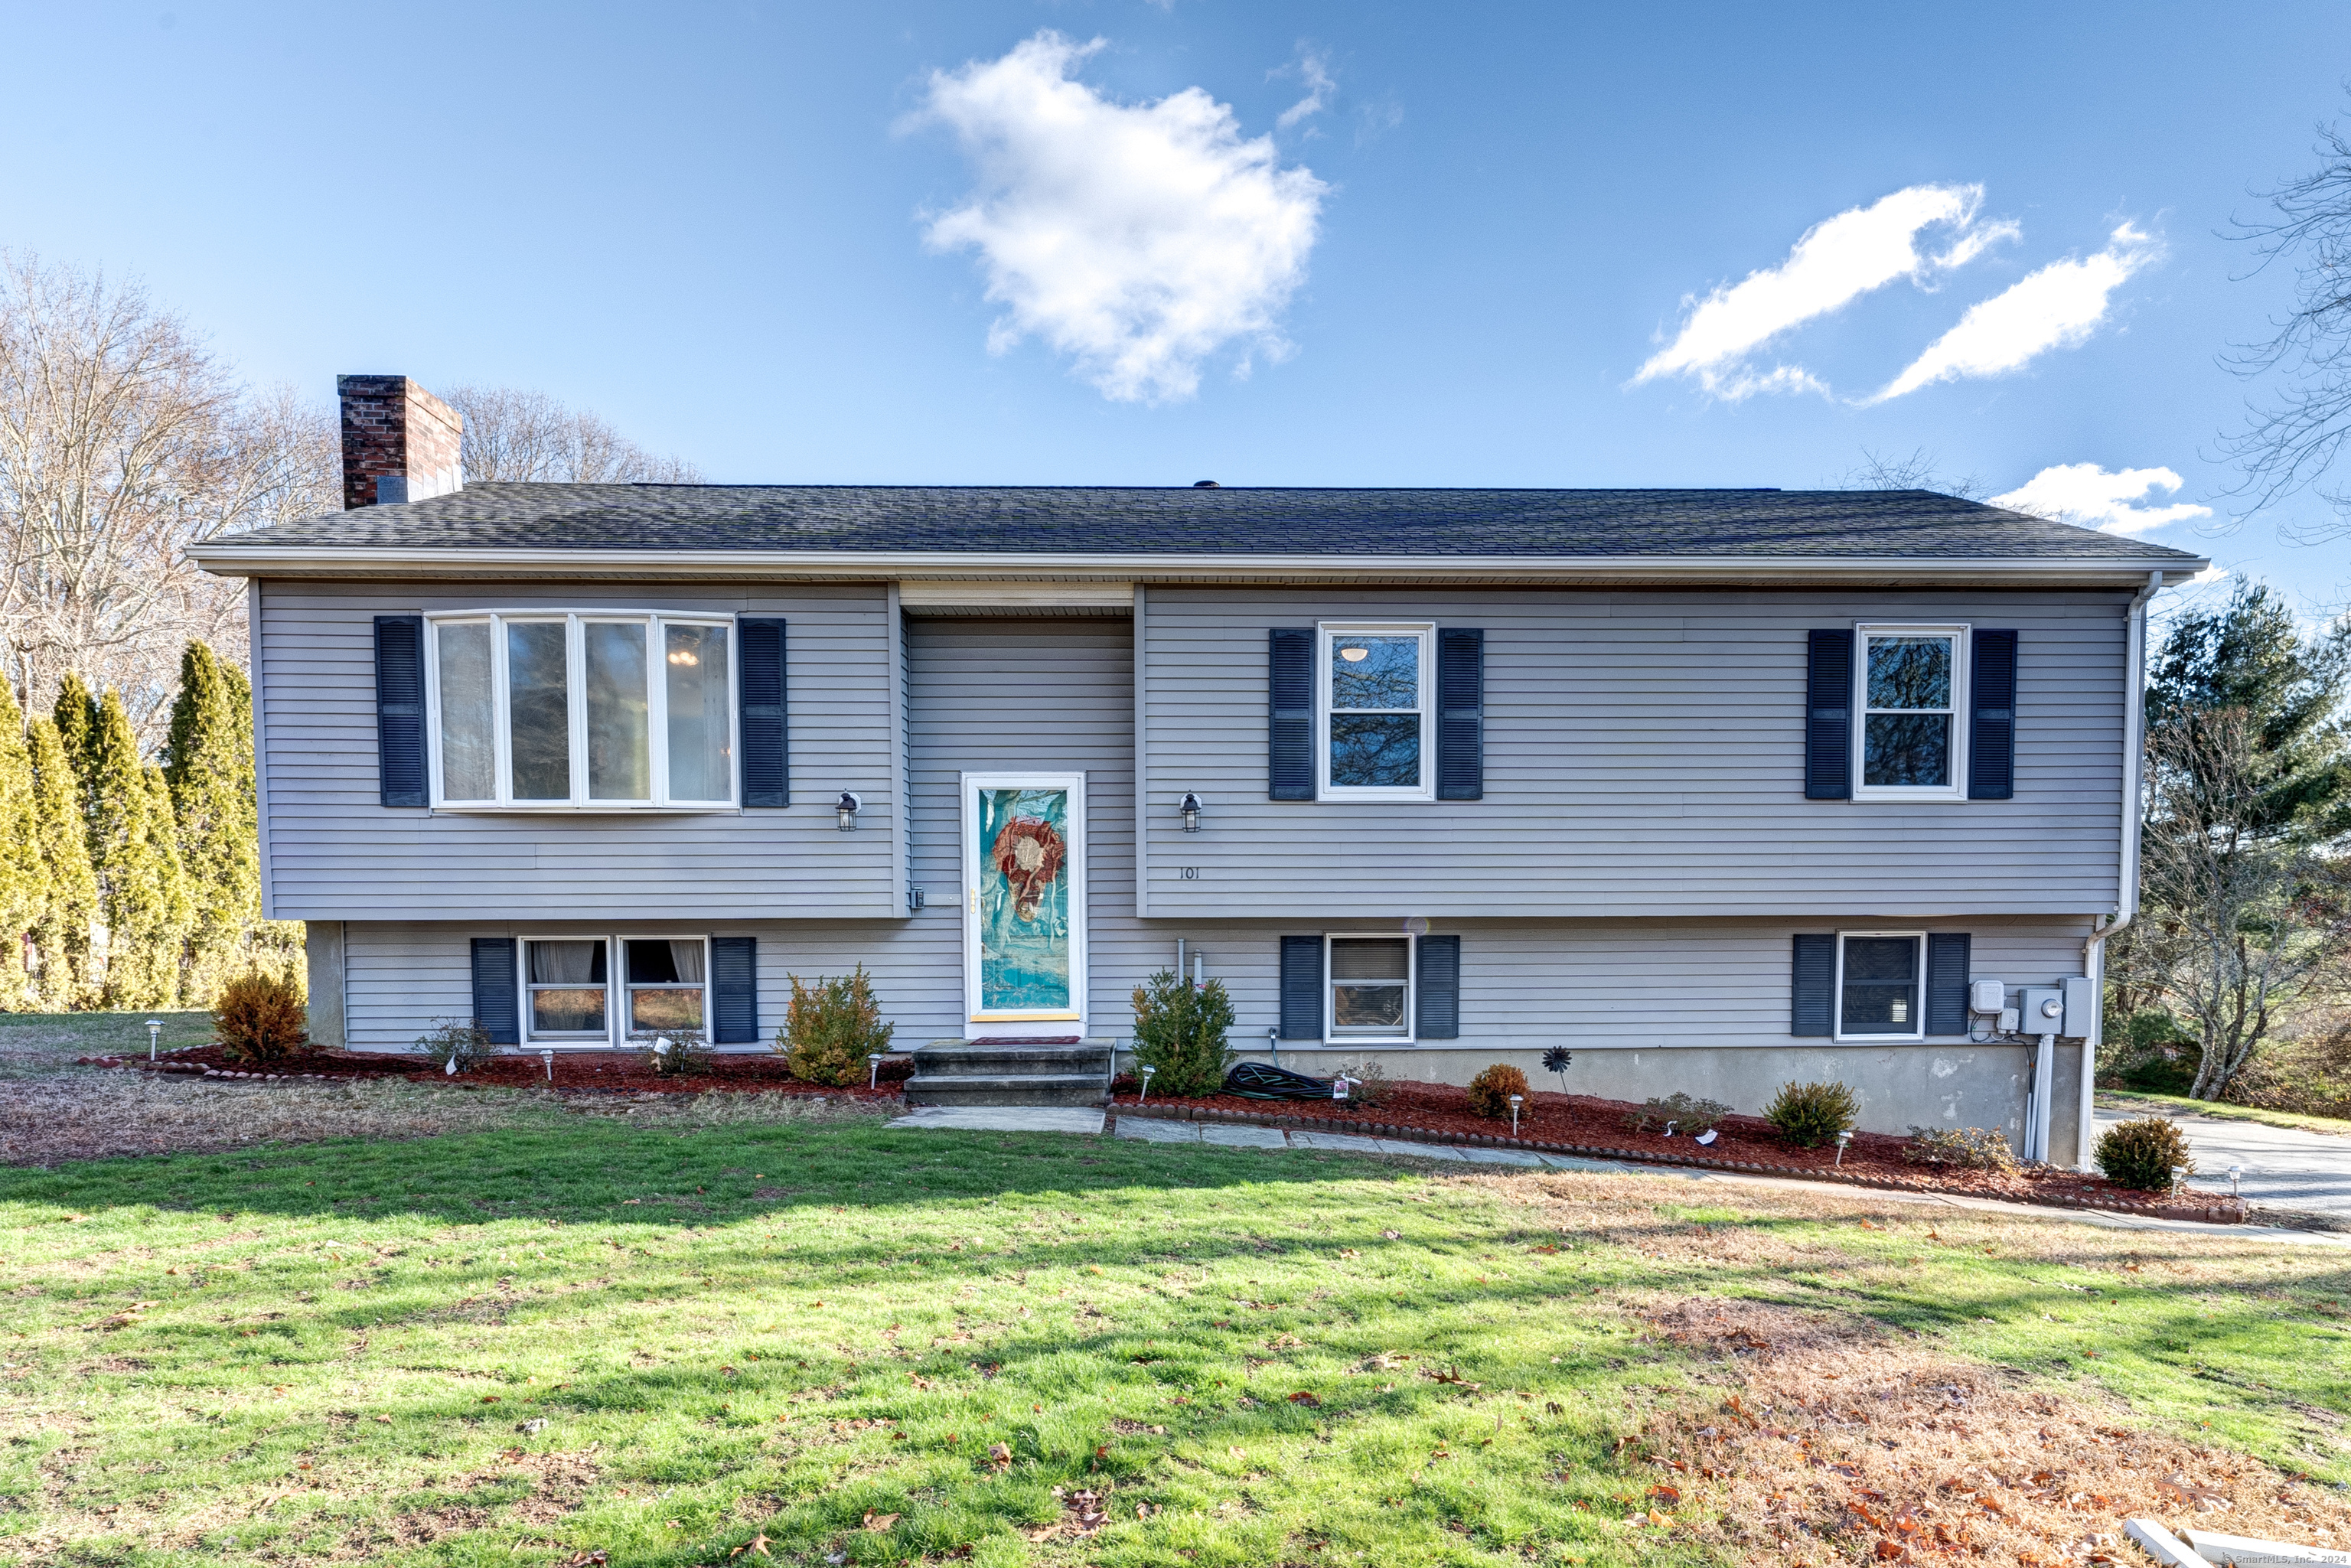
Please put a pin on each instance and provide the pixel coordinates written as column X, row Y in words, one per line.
column 1411, row 990
column 1918, row 988
column 617, row 966
column 1324, row 631
column 534, row 1041
column 575, row 674
column 1961, row 659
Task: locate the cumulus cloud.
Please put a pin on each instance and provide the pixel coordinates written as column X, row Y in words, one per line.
column 1321, row 86
column 1835, row 263
column 2112, row 503
column 1136, row 238
column 2056, row 308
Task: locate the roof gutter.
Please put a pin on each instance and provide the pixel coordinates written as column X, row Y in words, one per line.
column 228, row 557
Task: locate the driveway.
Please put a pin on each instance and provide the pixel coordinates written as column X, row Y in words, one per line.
column 2284, row 1167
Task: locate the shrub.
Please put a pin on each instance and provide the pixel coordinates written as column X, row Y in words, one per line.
column 1688, row 1114
column 1811, row 1114
column 1491, row 1091
column 258, row 1018
column 678, row 1055
column 1968, row 1148
column 460, row 1040
column 1368, row 1082
column 830, row 1027
column 1179, row 1033
column 2140, row 1155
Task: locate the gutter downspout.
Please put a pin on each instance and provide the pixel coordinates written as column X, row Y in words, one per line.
column 2093, row 950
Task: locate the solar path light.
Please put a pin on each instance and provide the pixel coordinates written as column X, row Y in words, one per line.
column 154, row 1036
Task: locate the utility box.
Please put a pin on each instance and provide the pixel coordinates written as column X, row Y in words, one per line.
column 2081, row 996
column 2044, row 1007
column 1988, row 997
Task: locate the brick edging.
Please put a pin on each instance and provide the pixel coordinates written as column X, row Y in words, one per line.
column 2211, row 1215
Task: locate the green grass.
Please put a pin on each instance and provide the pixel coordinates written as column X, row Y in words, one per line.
column 69, row 1035
column 1122, row 1315
column 2136, row 1100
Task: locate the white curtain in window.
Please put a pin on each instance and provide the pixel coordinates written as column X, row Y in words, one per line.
column 566, row 963
column 687, row 956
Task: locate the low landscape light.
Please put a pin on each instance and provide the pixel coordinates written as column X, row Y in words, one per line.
column 154, row 1036
column 1842, row 1139
column 1516, row 1101
column 1146, row 1069
column 549, row 1058
column 873, row 1070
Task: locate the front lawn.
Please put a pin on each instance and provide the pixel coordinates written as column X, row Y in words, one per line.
column 839, row 1344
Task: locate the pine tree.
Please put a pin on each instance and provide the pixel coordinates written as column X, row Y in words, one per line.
column 208, row 764
column 22, row 882
column 61, row 925
column 142, row 895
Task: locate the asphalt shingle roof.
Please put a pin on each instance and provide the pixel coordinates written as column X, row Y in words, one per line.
column 983, row 519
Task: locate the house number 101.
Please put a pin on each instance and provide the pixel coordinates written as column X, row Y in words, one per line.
column 1189, row 872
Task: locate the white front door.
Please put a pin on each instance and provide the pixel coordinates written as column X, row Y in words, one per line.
column 1024, row 908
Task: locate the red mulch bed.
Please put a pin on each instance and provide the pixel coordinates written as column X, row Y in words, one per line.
column 586, row 1072
column 1580, row 1123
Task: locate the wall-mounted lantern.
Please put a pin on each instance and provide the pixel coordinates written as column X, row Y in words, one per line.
column 1190, row 810
column 845, row 810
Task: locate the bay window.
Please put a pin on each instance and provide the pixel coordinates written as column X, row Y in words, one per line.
column 585, row 710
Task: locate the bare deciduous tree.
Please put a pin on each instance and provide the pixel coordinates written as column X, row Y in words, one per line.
column 511, row 434
column 123, row 441
column 2243, row 914
column 1920, row 469
column 2292, row 443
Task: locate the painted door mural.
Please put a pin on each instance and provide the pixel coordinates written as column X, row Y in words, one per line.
column 1025, row 905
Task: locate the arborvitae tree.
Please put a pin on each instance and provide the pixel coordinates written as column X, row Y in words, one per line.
column 208, row 766
column 22, row 883
column 76, row 716
column 141, row 894
column 179, row 904
column 61, row 927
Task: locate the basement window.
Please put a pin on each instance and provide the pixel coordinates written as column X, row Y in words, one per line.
column 1370, row 988
column 1881, row 980
column 582, row 710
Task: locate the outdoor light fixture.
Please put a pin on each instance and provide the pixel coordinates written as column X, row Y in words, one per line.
column 1190, row 810
column 2179, row 1179
column 845, row 810
column 1515, row 1102
column 1146, row 1069
column 874, row 1074
column 1842, row 1139
column 549, row 1058
column 2236, row 1194
column 154, row 1036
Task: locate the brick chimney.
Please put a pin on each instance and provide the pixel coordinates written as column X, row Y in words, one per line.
column 400, row 442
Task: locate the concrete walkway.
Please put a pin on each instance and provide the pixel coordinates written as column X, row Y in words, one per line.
column 2284, row 1167
column 1047, row 1119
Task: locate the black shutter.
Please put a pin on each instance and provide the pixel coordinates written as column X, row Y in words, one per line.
column 1947, row 982
column 1813, row 1009
column 1991, row 719
column 1460, row 715
column 1290, row 746
column 767, row 772
column 1828, row 718
column 734, row 991
column 1301, row 987
column 494, row 988
column 400, row 709
column 1436, row 1005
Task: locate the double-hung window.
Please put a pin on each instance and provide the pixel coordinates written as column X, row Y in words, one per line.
column 575, row 988
column 1911, row 684
column 1370, row 988
column 1376, row 719
column 1881, row 981
column 585, row 710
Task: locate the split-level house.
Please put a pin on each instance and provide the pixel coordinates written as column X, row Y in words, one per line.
column 1718, row 789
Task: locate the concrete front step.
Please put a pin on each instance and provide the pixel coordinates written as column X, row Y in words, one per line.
column 959, row 1058
column 1007, row 1089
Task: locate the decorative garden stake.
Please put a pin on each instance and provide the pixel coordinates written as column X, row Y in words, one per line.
column 1555, row 1059
column 1842, row 1139
column 154, row 1035
column 1515, row 1100
column 1146, row 1069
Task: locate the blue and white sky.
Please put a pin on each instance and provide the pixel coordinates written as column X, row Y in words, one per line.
column 1155, row 241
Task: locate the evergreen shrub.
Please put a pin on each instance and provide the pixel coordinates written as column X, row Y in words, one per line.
column 257, row 1018
column 2140, row 1155
column 830, row 1027
column 1179, row 1033
column 1491, row 1091
column 1811, row 1114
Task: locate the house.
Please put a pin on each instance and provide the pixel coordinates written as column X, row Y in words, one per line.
column 1720, row 789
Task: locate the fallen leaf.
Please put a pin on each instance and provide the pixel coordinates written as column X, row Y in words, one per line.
column 1000, row 1455
column 385, row 1419
column 1303, row 1397
column 1665, row 1494
column 2186, row 1490
column 878, row 1522
column 758, row 1543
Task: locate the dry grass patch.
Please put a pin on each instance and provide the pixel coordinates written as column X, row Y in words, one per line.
column 1825, row 1436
